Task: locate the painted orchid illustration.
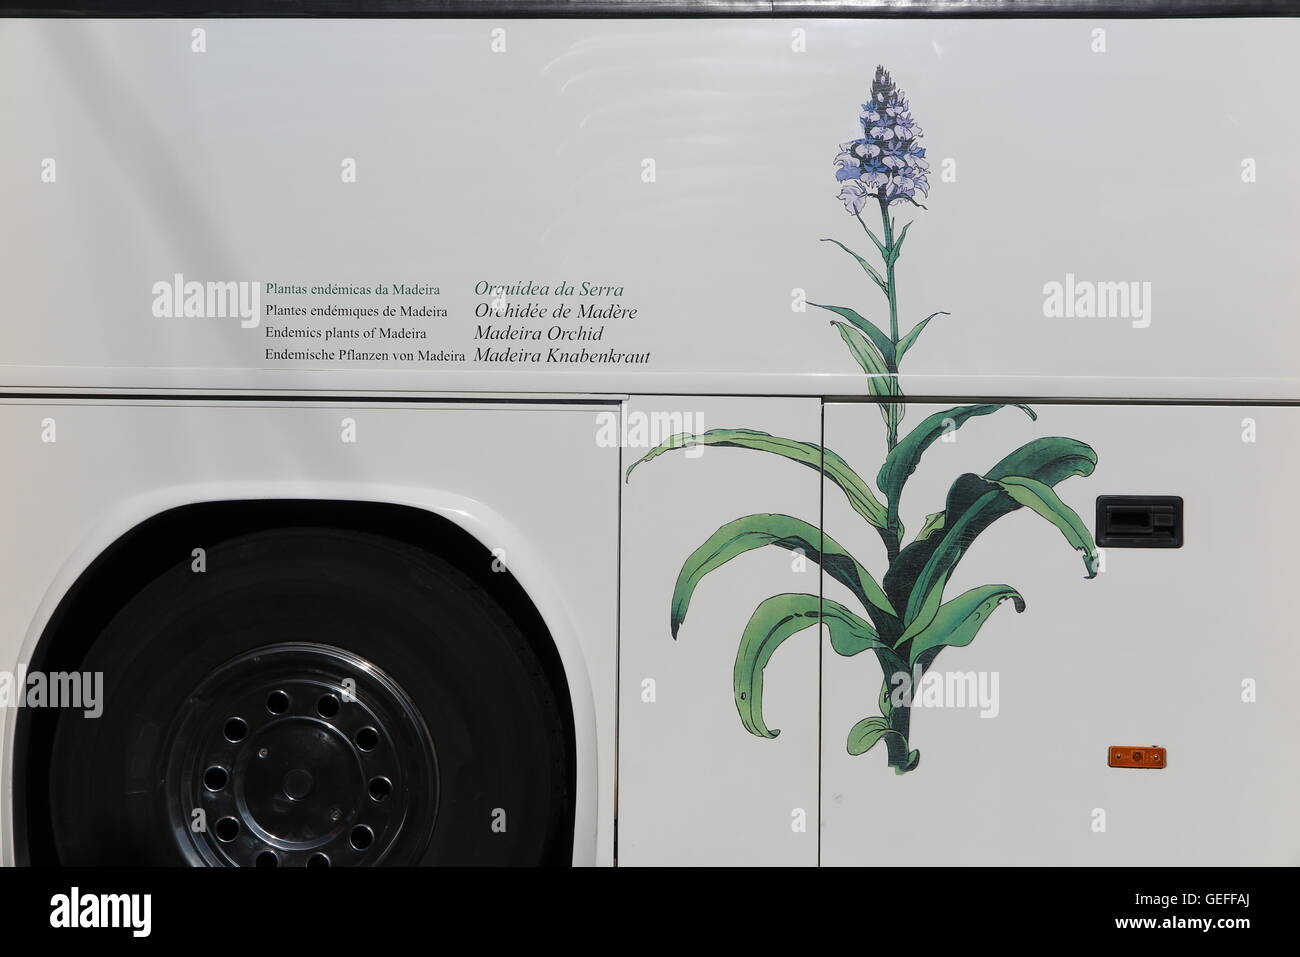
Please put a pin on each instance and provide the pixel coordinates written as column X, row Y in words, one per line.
column 907, row 622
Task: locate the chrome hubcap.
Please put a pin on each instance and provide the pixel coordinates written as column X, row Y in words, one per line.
column 301, row 755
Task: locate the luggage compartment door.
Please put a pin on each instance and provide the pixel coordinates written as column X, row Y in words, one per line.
column 700, row 780
column 1191, row 649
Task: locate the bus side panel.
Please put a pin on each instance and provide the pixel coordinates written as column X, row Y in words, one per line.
column 530, row 483
column 1183, row 648
column 695, row 786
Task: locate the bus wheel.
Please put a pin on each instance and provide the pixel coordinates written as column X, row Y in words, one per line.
column 314, row 698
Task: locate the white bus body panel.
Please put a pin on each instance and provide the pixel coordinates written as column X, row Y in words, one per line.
column 688, row 164
column 554, row 519
column 694, row 788
column 1189, row 649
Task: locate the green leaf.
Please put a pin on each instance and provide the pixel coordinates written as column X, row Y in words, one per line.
column 867, row 356
column 865, row 734
column 884, row 345
column 902, row 461
column 958, row 621
column 1033, row 494
column 897, row 250
column 973, row 504
column 875, row 357
column 783, row 531
column 775, row 620
column 933, row 523
column 880, row 383
column 860, row 496
column 869, row 269
column 850, row 635
column 908, row 340
column 1049, row 460
column 874, row 238
column 921, row 612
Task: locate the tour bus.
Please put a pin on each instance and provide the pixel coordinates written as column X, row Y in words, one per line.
column 506, row 439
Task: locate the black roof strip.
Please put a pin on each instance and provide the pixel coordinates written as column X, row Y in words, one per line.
column 656, row 8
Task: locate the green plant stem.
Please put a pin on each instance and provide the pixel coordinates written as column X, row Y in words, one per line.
column 896, row 745
column 898, row 716
column 892, row 292
column 893, row 542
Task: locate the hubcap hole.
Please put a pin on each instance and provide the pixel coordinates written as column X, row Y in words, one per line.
column 362, row 837
column 380, row 788
column 318, row 860
column 215, row 778
column 227, row 829
column 267, row 859
column 367, row 739
column 235, row 730
column 327, row 706
column 277, row 702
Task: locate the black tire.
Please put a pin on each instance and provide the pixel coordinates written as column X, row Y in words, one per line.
column 470, row 723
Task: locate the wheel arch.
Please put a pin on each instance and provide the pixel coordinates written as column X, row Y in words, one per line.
column 149, row 534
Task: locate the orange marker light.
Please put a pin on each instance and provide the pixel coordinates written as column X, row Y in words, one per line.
column 1136, row 757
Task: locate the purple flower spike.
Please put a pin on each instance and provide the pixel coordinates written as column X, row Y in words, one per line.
column 888, row 160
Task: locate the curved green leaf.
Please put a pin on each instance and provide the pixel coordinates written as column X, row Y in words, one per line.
column 973, row 504
column 884, row 345
column 860, row 496
column 859, row 493
column 884, row 250
column 775, row 620
column 783, row 531
column 922, row 611
column 849, row 634
column 866, row 356
column 902, row 461
column 880, row 383
column 958, row 621
column 1049, row 460
column 869, row 269
column 910, row 339
column 1033, row 494
column 866, row 734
